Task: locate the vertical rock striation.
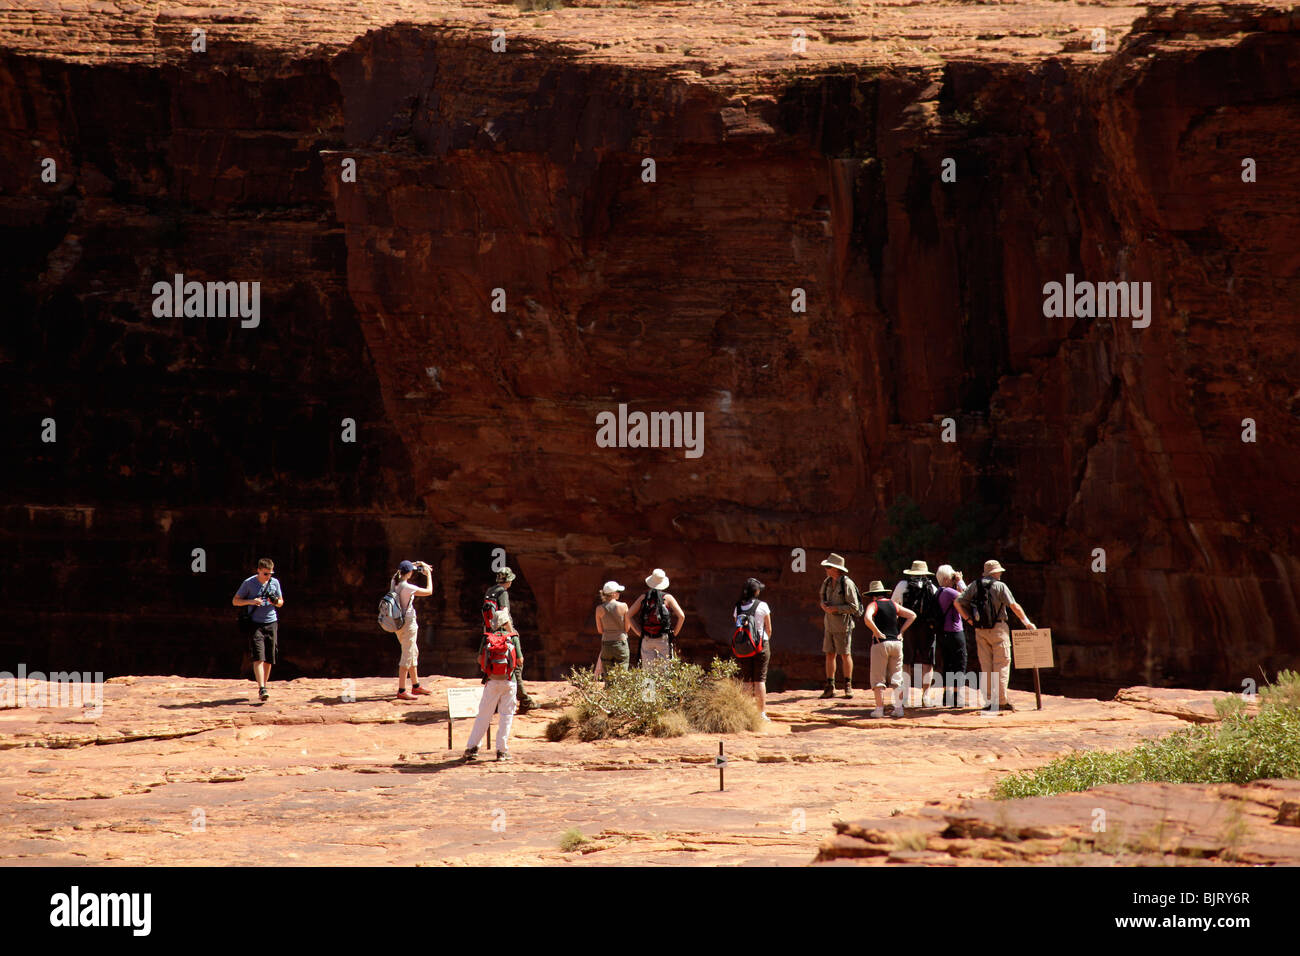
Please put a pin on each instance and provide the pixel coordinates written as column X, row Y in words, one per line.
column 523, row 171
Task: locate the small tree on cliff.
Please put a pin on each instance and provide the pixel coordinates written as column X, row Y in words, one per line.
column 914, row 536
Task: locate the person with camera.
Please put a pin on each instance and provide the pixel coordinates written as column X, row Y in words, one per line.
column 407, row 592
column 259, row 596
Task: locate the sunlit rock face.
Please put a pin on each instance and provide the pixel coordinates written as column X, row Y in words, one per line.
column 484, row 258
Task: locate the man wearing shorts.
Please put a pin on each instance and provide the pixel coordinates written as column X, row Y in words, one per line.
column 262, row 594
column 840, row 602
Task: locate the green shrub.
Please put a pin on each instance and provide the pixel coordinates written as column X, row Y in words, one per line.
column 658, row 700
column 962, row 539
column 1240, row 749
column 571, row 839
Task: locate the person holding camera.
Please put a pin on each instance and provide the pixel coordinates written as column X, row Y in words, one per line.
column 259, row 596
column 406, row 595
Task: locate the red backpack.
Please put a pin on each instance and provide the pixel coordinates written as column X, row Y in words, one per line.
column 498, row 658
column 746, row 639
column 490, row 608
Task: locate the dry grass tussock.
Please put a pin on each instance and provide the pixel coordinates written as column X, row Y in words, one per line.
column 667, row 700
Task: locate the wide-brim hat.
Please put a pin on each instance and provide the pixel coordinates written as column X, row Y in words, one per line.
column 992, row 567
column 919, row 568
column 612, row 587
column 877, row 588
column 836, row 562
column 658, row 580
column 505, row 574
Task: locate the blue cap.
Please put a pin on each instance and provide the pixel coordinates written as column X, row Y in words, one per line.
column 405, row 566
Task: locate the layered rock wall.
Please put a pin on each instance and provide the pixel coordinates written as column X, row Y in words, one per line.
column 522, row 171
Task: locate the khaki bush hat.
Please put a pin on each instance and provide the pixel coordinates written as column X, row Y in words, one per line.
column 877, row 588
column 836, row 562
column 919, row 567
column 658, row 580
column 992, row 567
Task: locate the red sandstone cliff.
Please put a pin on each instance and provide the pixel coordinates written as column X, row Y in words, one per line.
column 521, row 170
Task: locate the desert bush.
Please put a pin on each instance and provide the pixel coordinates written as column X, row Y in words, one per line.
column 657, row 700
column 562, row 726
column 1240, row 749
column 672, row 723
column 723, row 707
column 571, row 839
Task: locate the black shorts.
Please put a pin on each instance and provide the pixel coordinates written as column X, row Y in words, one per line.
column 919, row 647
column 753, row 670
column 263, row 640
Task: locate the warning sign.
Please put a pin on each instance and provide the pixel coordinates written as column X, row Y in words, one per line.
column 1032, row 648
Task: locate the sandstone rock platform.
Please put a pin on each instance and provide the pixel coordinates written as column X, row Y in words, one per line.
column 178, row 771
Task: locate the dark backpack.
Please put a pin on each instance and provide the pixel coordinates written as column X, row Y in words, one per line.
column 747, row 639
column 655, row 619
column 498, row 658
column 981, row 612
column 491, row 609
column 921, row 597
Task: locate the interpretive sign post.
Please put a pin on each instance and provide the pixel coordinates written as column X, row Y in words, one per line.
column 1033, row 648
column 463, row 702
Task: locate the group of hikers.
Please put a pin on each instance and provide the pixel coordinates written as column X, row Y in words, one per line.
column 940, row 607
column 936, row 608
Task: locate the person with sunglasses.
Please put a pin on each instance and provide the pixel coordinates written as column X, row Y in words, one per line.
column 260, row 595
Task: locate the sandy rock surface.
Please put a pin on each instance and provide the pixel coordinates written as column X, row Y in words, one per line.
column 179, row 771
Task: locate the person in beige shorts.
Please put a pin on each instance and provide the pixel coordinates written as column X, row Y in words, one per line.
column 993, row 632
column 839, row 602
column 882, row 616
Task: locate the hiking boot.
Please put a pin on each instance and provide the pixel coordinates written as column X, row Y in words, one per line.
column 470, row 755
column 526, row 704
column 404, row 694
column 263, row 694
column 878, row 712
column 423, row 691
column 829, row 692
column 502, row 755
column 1007, row 705
column 848, row 691
column 898, row 710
